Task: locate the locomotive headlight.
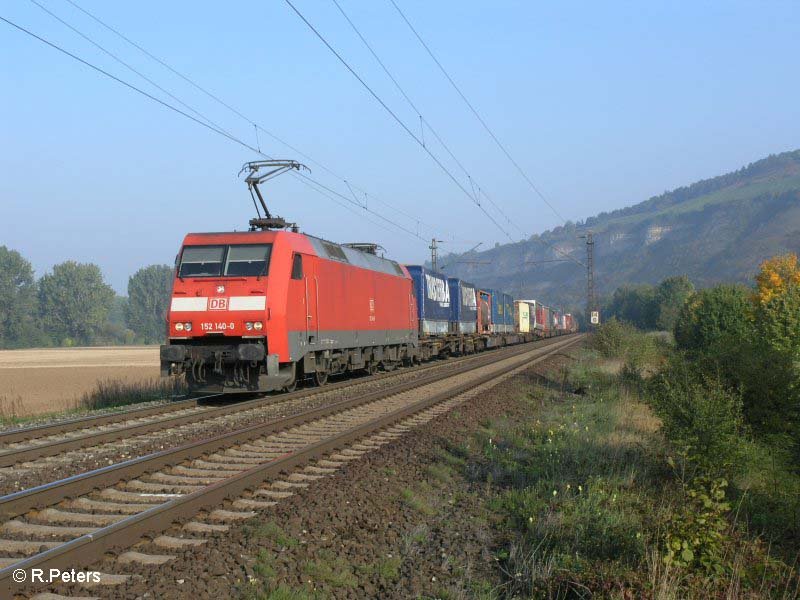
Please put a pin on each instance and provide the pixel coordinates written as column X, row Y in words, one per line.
column 187, row 326
column 258, row 326
column 248, row 326
column 178, row 326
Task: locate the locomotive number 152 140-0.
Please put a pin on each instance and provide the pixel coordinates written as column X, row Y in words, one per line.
column 217, row 326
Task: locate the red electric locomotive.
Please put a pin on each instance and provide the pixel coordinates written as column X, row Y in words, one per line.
column 259, row 310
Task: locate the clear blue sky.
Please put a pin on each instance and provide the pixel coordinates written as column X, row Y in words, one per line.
column 603, row 104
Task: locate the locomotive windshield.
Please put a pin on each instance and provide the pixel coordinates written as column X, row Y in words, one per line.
column 250, row 260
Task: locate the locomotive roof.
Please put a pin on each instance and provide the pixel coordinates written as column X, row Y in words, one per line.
column 323, row 248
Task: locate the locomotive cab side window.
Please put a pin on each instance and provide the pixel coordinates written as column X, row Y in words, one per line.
column 249, row 260
column 297, row 266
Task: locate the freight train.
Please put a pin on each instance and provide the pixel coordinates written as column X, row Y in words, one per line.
column 260, row 311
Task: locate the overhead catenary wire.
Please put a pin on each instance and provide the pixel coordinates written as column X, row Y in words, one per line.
column 494, row 137
column 240, row 114
column 206, row 123
column 418, row 140
column 397, row 119
column 200, row 121
column 423, row 121
column 477, row 115
column 127, row 65
column 311, row 184
column 121, row 81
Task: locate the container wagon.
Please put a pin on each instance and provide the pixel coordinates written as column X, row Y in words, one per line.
column 524, row 316
column 463, row 307
column 502, row 312
column 484, row 311
column 556, row 321
column 547, row 321
column 433, row 300
column 508, row 312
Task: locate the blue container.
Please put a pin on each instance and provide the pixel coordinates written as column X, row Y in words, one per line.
column 463, row 306
column 498, row 312
column 433, row 300
column 502, row 312
column 508, row 311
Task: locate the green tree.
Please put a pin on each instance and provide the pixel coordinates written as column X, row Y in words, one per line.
column 149, row 291
column 74, row 302
column 670, row 296
column 634, row 304
column 772, row 400
column 714, row 318
column 715, row 328
column 18, row 312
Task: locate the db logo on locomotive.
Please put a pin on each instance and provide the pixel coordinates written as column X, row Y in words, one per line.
column 217, row 304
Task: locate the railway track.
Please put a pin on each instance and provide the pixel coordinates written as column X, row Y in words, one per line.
column 73, row 523
column 32, row 443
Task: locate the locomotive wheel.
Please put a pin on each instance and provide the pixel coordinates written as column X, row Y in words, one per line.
column 371, row 368
column 292, row 386
column 389, row 365
column 321, row 378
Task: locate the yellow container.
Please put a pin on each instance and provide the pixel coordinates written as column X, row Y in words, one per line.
column 522, row 316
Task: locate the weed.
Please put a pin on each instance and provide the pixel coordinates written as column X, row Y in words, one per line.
column 419, row 504
column 415, row 539
column 332, row 570
column 271, row 531
column 115, row 392
column 440, row 472
column 696, row 533
column 281, row 592
column 263, row 566
column 387, row 569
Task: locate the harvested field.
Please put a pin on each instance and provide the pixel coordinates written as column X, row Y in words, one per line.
column 36, row 381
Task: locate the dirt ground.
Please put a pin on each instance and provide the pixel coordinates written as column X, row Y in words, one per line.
column 36, row 381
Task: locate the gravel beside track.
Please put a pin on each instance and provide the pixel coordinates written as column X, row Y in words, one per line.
column 228, row 472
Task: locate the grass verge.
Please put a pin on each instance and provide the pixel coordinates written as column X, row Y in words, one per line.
column 588, row 496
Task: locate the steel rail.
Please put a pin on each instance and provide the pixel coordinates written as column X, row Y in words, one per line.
column 18, row 503
column 22, row 434
column 88, row 549
column 10, row 458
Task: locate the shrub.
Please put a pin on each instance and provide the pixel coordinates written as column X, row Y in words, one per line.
column 611, row 339
column 696, row 535
column 637, row 350
column 700, row 416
